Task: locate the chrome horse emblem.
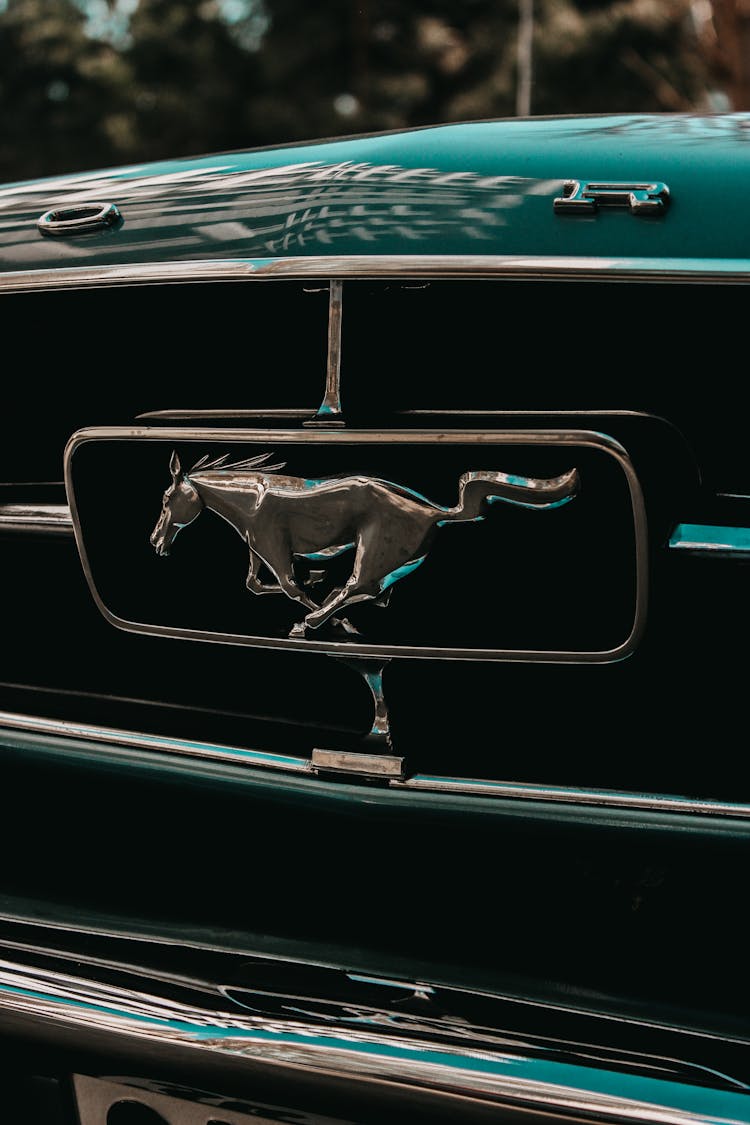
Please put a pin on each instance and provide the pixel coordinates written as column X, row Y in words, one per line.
column 282, row 519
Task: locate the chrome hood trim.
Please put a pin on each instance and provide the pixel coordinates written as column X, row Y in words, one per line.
column 518, row 267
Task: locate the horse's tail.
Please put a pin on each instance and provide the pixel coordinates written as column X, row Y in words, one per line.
column 476, row 491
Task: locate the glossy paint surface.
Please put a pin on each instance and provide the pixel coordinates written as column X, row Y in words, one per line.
column 483, row 188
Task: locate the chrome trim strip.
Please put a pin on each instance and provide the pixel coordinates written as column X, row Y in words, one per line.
column 710, row 540
column 137, row 740
column 603, row 798
column 201, row 415
column 554, row 438
column 47, row 519
column 424, row 783
column 521, row 267
column 490, row 1073
column 197, row 415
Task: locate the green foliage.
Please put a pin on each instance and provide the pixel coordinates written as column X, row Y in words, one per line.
column 202, row 75
column 623, row 56
column 62, row 94
column 193, row 81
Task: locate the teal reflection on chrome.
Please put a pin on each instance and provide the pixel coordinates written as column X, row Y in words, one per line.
column 700, row 538
column 535, row 507
column 401, row 572
column 558, row 1082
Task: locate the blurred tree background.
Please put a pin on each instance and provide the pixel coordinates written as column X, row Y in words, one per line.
column 90, row 83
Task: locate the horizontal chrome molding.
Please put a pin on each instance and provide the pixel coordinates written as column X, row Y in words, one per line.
column 138, row 740
column 47, row 519
column 559, row 794
column 531, row 267
column 499, row 1074
column 711, row 540
column 198, row 415
column 256, row 413
column 417, row 783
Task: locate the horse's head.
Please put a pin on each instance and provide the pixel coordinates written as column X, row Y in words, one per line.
column 180, row 505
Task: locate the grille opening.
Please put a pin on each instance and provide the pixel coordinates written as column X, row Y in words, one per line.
column 133, row 1113
column 446, row 344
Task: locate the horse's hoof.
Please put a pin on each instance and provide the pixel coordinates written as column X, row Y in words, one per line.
column 342, row 626
column 297, row 630
column 314, row 577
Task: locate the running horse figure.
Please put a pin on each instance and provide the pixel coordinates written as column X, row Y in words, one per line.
column 284, row 518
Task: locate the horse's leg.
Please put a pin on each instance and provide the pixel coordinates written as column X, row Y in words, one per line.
column 371, row 570
column 314, row 577
column 254, row 583
column 280, row 560
column 361, row 586
column 291, row 587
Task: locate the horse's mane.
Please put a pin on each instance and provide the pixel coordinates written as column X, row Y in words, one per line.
column 222, row 465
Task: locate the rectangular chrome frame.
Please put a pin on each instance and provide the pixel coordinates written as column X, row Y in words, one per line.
column 544, row 438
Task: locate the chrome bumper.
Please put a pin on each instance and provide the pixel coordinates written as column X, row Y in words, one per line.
column 439, row 1056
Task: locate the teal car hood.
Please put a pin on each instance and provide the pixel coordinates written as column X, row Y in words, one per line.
column 479, row 189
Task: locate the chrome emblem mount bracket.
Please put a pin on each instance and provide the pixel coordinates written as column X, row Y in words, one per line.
column 585, row 197
column 375, row 758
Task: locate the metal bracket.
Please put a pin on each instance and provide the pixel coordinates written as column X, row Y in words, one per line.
column 363, row 765
column 376, row 758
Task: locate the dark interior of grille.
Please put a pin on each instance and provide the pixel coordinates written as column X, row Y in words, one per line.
column 415, row 355
column 477, row 356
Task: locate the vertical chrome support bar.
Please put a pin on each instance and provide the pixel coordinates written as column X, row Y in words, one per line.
column 329, row 411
